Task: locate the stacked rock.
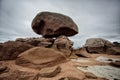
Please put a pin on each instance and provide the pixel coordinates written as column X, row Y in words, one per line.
column 55, row 25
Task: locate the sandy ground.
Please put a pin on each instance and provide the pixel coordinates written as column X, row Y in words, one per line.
column 99, row 65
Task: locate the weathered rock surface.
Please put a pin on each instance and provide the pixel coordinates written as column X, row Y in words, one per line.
column 97, row 45
column 10, row 50
column 39, row 57
column 67, row 70
column 50, row 24
column 63, row 44
column 50, row 71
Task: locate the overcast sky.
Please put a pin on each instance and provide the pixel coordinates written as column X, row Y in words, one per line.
column 94, row 18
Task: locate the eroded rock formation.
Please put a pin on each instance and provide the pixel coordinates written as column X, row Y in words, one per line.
column 39, row 57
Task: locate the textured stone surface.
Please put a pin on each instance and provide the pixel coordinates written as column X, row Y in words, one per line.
column 97, row 42
column 81, row 52
column 50, row 24
column 39, row 57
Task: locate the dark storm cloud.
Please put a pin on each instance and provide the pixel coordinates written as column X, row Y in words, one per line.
column 95, row 18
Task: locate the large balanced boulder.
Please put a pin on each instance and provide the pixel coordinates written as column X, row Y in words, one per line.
column 11, row 49
column 39, row 57
column 50, row 24
column 97, row 45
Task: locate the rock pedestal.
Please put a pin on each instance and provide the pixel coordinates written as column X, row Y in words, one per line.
column 63, row 44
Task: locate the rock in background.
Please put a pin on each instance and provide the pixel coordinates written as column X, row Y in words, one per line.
column 98, row 45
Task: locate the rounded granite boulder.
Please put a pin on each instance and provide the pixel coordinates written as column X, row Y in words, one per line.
column 50, row 24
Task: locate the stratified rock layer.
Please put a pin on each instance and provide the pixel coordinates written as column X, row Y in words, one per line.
column 50, row 24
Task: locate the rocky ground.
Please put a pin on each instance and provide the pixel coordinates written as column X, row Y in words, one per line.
column 97, row 67
column 36, row 59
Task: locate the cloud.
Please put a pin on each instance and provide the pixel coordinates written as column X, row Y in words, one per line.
column 94, row 18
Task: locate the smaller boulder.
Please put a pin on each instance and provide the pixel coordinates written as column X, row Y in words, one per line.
column 81, row 52
column 50, row 71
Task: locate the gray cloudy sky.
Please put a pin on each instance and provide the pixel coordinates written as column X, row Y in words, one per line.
column 95, row 18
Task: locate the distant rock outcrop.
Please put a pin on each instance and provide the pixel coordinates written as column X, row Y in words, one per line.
column 98, row 45
column 50, row 24
column 95, row 45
